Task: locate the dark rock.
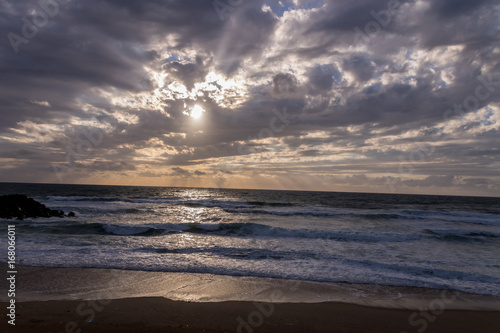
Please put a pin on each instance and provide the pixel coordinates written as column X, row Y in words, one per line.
column 20, row 206
column 71, row 214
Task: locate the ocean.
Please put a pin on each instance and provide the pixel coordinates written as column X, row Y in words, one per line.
column 441, row 242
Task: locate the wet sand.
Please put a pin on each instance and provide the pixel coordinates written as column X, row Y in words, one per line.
column 97, row 300
column 163, row 315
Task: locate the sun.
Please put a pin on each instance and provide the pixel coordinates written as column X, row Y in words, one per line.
column 197, row 112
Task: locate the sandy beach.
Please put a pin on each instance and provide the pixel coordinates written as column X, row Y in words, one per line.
column 101, row 300
column 162, row 315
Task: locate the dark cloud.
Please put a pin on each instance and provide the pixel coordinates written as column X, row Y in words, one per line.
column 351, row 91
column 439, row 181
column 284, row 83
column 453, row 8
column 346, row 15
column 322, row 77
column 112, row 166
column 189, row 73
column 180, row 171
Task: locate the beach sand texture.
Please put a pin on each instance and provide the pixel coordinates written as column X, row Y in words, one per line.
column 97, row 300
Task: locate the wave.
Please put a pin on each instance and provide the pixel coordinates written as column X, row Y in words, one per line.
column 78, row 198
column 288, row 209
column 259, row 230
column 272, row 204
column 168, row 200
column 113, row 199
column 461, row 234
column 368, row 214
column 318, row 212
column 256, row 229
column 224, row 204
column 132, row 231
column 220, row 229
column 95, row 229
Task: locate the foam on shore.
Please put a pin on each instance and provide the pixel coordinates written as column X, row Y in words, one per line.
column 43, row 284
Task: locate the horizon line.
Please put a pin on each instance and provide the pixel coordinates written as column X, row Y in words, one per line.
column 262, row 189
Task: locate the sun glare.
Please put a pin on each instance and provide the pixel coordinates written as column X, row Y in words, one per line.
column 197, row 112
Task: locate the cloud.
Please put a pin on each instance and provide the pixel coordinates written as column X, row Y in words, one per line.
column 322, row 78
column 42, row 103
column 180, row 171
column 453, row 8
column 415, row 100
column 361, row 66
column 284, row 83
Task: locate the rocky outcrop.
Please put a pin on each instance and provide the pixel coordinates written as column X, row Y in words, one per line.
column 20, row 206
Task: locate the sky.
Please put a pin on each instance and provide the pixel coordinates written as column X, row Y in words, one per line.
column 380, row 96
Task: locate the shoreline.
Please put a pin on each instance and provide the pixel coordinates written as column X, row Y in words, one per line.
column 79, row 300
column 67, row 284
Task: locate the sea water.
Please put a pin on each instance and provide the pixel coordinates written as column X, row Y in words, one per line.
column 441, row 242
